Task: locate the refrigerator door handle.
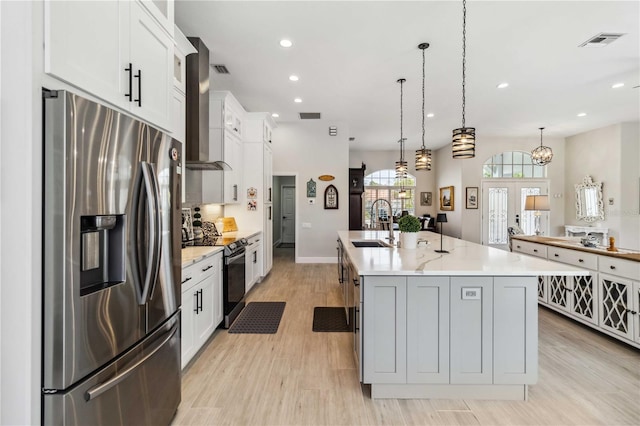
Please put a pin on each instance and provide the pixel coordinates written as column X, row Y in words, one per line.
column 153, row 210
column 98, row 390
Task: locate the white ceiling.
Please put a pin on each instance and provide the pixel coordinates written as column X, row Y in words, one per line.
column 349, row 55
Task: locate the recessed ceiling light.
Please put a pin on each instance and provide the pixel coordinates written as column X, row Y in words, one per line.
column 293, row 78
column 297, row 100
column 502, row 85
column 617, row 85
column 582, row 114
column 430, row 115
column 275, row 115
column 285, row 43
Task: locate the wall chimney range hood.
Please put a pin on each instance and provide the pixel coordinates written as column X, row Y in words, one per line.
column 197, row 132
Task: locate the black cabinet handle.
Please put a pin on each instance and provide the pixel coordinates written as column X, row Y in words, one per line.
column 235, row 192
column 518, row 246
column 612, row 267
column 269, row 194
column 139, row 77
column 130, row 71
column 196, row 309
column 269, row 213
column 356, row 282
column 556, row 255
column 200, row 304
column 535, row 250
column 185, row 280
column 207, row 268
column 581, row 260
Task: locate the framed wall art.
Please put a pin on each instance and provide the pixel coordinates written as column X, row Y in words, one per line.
column 426, row 198
column 472, row 197
column 446, row 198
column 331, row 197
column 311, row 189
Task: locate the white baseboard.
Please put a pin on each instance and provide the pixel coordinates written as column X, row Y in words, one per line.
column 316, row 260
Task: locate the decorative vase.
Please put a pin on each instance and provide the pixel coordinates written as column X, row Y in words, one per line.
column 409, row 240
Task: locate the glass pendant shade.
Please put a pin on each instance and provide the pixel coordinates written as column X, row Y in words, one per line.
column 541, row 155
column 423, row 159
column 464, row 142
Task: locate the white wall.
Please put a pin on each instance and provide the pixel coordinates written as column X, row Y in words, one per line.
column 596, row 153
column 609, row 155
column 380, row 160
column 449, row 173
column 307, row 149
column 20, row 213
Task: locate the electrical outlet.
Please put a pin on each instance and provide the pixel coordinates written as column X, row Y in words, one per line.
column 471, row 293
column 311, row 200
column 610, row 201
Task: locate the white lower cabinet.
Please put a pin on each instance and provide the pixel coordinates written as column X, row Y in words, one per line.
column 201, row 304
column 428, row 330
column 449, row 330
column 618, row 307
column 471, row 330
column 253, row 261
column 384, row 352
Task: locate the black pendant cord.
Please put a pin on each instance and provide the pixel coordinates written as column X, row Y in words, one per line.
column 464, row 56
column 423, row 95
column 401, row 81
column 541, row 129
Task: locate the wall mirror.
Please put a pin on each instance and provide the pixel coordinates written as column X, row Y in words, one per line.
column 589, row 205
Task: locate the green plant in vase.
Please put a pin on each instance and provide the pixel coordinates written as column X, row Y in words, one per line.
column 409, row 226
column 197, row 223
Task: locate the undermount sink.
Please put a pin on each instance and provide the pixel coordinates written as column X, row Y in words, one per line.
column 369, row 243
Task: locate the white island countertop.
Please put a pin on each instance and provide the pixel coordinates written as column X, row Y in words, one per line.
column 464, row 258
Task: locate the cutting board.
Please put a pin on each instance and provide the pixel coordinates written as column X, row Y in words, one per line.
column 229, row 224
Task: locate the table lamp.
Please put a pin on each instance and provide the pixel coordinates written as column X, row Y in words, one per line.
column 441, row 218
column 537, row 203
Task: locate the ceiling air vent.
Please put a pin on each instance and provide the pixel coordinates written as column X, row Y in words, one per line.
column 601, row 40
column 221, row 69
column 309, row 116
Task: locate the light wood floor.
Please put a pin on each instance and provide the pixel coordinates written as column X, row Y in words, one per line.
column 298, row 377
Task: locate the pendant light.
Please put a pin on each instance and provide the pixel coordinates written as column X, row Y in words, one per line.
column 541, row 155
column 464, row 138
column 401, row 166
column 423, row 155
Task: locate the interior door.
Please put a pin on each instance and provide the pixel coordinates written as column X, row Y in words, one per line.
column 288, row 214
column 503, row 206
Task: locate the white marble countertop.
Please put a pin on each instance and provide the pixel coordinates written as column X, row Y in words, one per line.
column 193, row 254
column 464, row 258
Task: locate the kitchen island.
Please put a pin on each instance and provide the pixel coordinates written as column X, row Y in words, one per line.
column 462, row 324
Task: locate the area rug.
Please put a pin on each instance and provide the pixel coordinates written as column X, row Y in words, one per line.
column 259, row 318
column 329, row 319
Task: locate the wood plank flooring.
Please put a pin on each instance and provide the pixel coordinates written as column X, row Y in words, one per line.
column 298, row 377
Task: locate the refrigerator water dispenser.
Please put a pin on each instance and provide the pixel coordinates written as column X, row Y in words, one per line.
column 102, row 252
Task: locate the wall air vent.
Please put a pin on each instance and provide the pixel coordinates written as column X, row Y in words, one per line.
column 309, row 116
column 221, row 69
column 601, row 40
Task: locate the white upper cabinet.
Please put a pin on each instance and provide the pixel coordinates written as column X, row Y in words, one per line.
column 127, row 61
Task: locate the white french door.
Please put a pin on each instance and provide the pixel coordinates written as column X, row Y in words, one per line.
column 503, row 205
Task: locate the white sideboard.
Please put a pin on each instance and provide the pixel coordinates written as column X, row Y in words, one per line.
column 596, row 231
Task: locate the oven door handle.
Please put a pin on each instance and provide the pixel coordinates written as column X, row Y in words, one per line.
column 230, row 259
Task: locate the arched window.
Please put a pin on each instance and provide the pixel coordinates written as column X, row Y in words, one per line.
column 512, row 164
column 383, row 184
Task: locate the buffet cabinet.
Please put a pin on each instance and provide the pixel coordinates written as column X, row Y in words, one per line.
column 608, row 299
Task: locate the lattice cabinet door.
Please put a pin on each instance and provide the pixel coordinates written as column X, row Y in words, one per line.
column 543, row 289
column 617, row 305
column 584, row 297
column 559, row 288
column 636, row 309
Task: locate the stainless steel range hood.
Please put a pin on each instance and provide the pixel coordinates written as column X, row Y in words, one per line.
column 197, row 76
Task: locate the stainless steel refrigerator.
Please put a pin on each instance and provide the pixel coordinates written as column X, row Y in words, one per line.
column 111, row 280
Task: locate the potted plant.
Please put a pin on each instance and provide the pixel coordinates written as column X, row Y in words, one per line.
column 409, row 227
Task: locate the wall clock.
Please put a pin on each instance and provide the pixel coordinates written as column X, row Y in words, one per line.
column 331, row 197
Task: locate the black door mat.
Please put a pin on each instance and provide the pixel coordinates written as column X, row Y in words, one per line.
column 329, row 319
column 258, row 318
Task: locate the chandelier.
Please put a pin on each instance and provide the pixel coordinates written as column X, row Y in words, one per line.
column 541, row 155
column 423, row 155
column 464, row 138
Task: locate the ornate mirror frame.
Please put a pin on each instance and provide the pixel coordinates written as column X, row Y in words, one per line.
column 589, row 204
